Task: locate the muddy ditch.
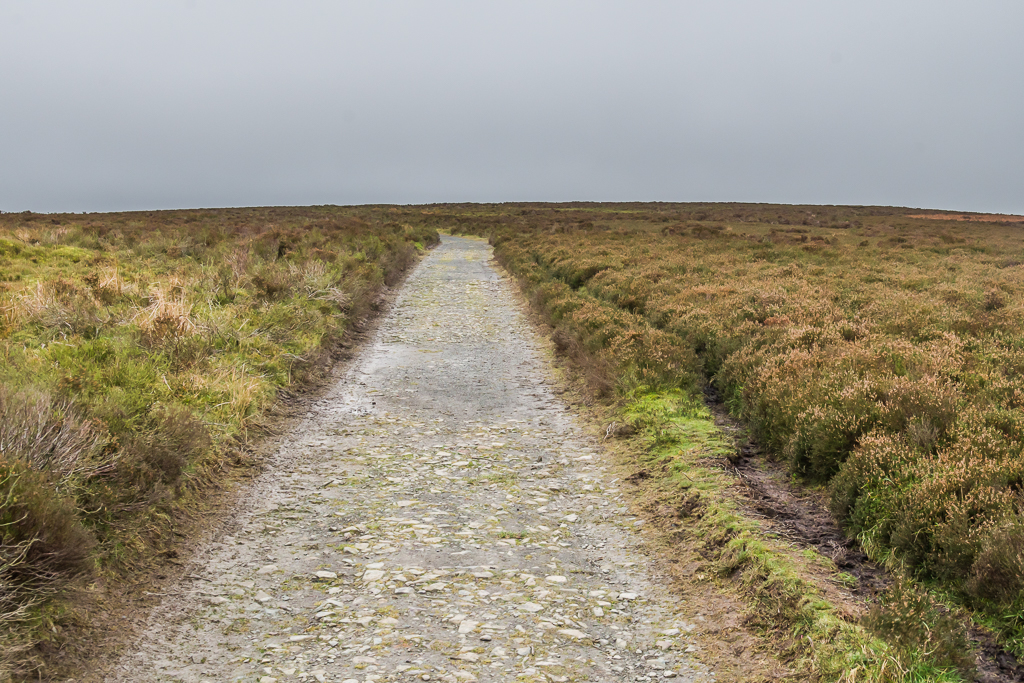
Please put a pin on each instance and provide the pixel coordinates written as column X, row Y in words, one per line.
column 801, row 516
column 792, row 513
column 995, row 665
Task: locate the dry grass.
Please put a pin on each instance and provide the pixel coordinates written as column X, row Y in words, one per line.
column 169, row 312
column 137, row 352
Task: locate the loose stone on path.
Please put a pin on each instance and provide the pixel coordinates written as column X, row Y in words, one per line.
column 437, row 516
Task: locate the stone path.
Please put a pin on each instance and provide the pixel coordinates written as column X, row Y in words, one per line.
column 438, row 516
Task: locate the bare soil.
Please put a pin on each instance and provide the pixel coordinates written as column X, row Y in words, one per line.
column 994, row 664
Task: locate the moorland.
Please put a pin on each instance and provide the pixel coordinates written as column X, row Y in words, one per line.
column 875, row 354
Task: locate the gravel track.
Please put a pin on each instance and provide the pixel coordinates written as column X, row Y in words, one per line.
column 437, row 515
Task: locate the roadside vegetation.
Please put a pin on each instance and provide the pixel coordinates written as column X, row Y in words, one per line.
column 878, row 354
column 138, row 352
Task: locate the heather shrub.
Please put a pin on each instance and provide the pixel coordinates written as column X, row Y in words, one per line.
column 187, row 353
column 940, row 521
column 629, row 291
column 654, row 358
column 272, row 282
column 928, row 401
column 970, row 485
column 997, row 574
column 826, row 431
column 174, row 439
column 577, row 271
column 921, row 630
column 47, row 435
column 868, row 484
column 824, row 435
column 935, row 508
column 557, row 299
column 598, row 373
column 395, row 261
column 39, row 529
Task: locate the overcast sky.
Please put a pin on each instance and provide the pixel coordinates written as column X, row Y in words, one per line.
column 144, row 105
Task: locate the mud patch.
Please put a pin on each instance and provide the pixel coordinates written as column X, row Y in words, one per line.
column 794, row 514
column 995, row 665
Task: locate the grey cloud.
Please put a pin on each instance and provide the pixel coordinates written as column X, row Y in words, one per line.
column 121, row 105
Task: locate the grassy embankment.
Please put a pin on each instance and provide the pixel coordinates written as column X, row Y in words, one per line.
column 879, row 356
column 138, row 351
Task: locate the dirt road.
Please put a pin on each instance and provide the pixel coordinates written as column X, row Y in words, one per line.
column 438, row 515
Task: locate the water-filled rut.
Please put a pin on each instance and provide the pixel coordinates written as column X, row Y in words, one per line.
column 437, row 515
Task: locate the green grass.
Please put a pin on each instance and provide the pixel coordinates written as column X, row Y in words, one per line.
column 138, row 353
column 512, row 534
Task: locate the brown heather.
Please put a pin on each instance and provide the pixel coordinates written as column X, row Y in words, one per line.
column 877, row 354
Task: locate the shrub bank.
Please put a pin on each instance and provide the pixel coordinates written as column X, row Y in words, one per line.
column 138, row 352
column 875, row 353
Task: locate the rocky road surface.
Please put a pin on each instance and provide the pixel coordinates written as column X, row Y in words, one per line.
column 438, row 515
